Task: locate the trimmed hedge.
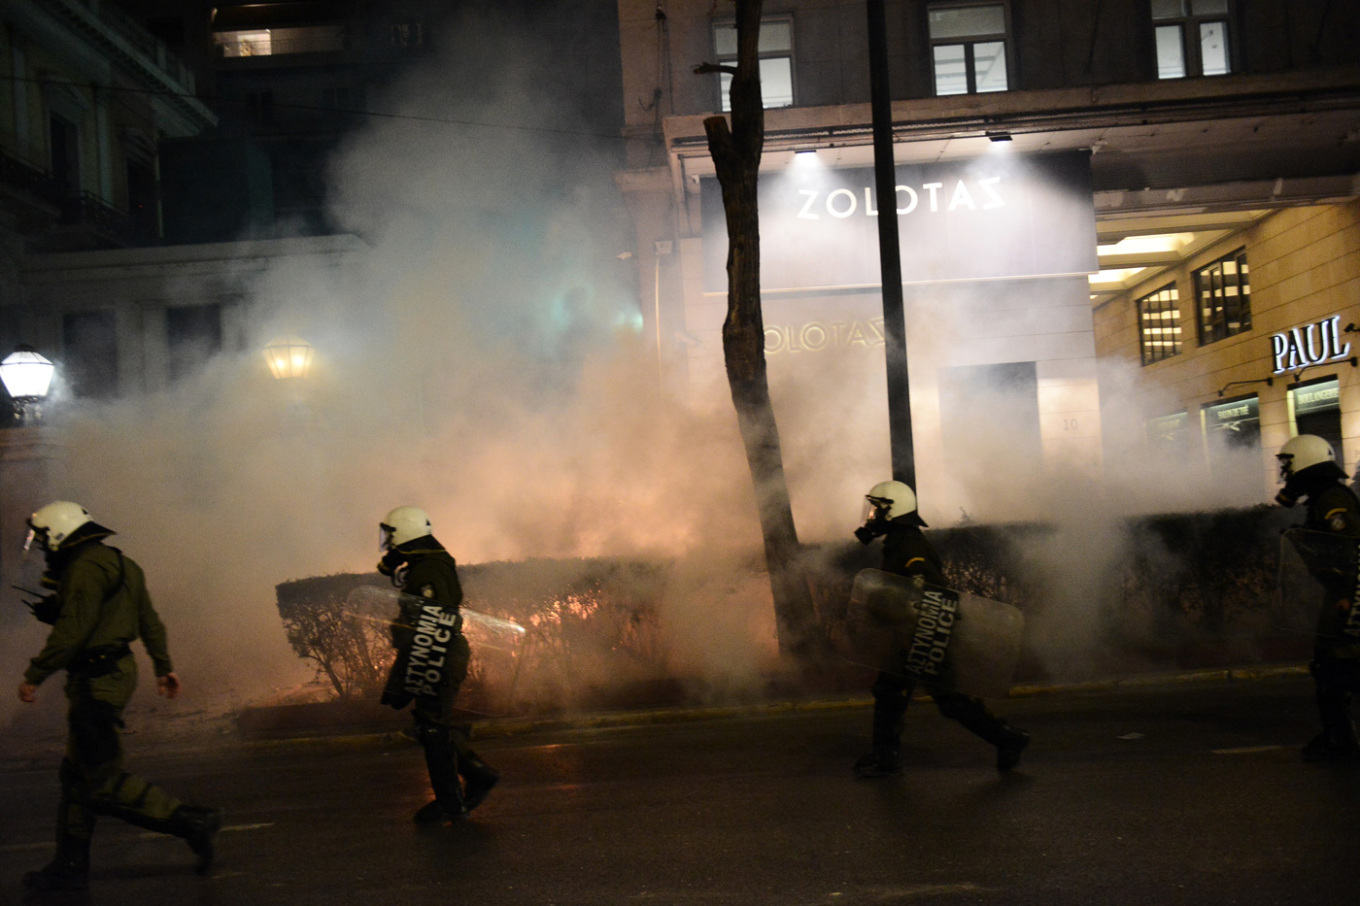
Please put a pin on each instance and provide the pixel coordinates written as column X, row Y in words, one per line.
column 593, row 623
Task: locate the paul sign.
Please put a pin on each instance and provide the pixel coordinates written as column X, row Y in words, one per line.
column 1313, row 344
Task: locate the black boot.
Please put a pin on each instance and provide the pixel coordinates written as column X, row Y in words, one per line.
column 883, row 761
column 478, row 778
column 1331, row 747
column 1009, row 745
column 431, row 814
column 70, row 870
column 441, row 760
column 198, row 825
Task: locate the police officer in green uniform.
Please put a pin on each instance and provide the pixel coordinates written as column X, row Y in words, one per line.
column 432, row 661
column 99, row 607
column 1331, row 533
column 891, row 512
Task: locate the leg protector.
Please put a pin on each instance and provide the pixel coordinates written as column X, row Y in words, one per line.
column 478, row 776
column 1337, row 741
column 441, row 761
column 891, row 695
column 974, row 715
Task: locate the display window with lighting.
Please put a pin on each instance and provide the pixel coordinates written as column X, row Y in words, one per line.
column 969, row 47
column 1192, row 37
column 1315, row 408
column 1159, row 324
column 1223, row 298
column 1232, row 429
column 1168, row 436
column 776, row 61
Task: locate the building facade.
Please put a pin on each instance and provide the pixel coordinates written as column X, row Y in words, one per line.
column 1192, row 160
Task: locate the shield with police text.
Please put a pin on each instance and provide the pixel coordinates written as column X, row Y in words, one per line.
column 1318, row 565
column 954, row 641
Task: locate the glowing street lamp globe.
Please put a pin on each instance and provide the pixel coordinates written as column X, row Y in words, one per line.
column 27, row 376
column 288, row 357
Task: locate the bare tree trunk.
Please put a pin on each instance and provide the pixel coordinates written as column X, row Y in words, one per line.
column 736, row 156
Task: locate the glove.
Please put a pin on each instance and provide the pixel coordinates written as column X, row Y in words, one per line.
column 46, row 609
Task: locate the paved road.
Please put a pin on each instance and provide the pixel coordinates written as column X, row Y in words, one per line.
column 1181, row 793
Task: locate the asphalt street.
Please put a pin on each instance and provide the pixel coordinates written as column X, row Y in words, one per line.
column 1164, row 793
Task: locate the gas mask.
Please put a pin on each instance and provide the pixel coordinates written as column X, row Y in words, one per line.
column 875, row 517
column 1291, row 492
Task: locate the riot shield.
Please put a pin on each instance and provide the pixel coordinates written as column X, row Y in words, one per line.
column 1309, row 562
column 955, row 641
column 482, row 630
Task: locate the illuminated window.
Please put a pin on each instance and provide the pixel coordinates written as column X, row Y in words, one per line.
column 1223, row 298
column 776, row 61
column 1159, row 324
column 273, row 42
column 1192, row 38
column 968, row 47
column 409, row 33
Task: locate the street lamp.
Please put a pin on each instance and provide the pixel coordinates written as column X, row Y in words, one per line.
column 27, row 375
column 288, row 357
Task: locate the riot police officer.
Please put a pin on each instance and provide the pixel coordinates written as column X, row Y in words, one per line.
column 99, row 607
column 1331, row 531
column 890, row 509
column 431, row 663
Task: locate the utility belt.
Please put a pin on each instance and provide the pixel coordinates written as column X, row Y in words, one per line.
column 93, row 663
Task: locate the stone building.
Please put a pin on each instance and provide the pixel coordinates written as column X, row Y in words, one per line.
column 1165, row 257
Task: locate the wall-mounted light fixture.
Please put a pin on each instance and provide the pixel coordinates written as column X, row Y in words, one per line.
column 289, row 357
column 999, row 136
column 1269, row 382
column 27, row 376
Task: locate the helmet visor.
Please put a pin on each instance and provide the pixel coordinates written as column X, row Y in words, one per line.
column 385, row 534
column 875, row 508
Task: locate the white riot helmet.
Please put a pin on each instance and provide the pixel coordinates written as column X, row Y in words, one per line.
column 1298, row 453
column 888, row 500
column 52, row 525
column 405, row 523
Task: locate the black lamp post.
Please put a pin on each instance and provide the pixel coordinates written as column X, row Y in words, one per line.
column 27, row 375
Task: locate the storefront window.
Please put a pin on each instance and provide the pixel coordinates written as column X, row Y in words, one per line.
column 1169, row 435
column 1232, row 428
column 1315, row 408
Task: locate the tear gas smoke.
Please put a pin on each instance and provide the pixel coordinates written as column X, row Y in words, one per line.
column 480, row 356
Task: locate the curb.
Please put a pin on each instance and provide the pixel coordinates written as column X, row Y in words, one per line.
column 496, row 728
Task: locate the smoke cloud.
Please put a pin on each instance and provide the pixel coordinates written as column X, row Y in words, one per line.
column 479, row 354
